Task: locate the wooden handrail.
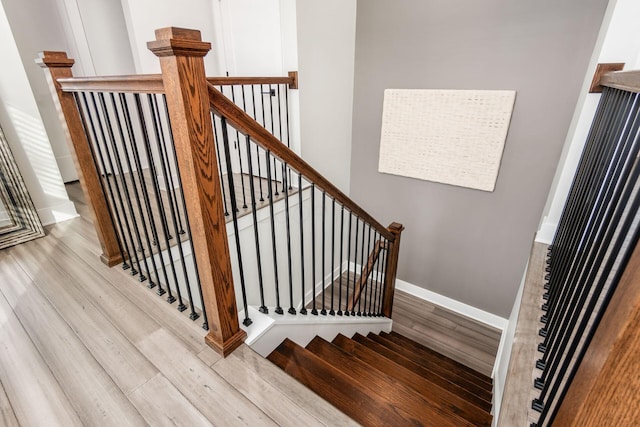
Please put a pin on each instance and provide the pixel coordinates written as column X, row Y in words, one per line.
column 373, row 257
column 152, row 83
column 142, row 83
column 624, row 80
column 291, row 80
column 247, row 125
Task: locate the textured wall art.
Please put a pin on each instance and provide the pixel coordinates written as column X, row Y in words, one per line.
column 449, row 136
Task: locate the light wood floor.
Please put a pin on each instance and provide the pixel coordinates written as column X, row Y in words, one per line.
column 83, row 344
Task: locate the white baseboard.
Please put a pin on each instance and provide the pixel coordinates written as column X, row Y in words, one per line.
column 59, row 213
column 546, row 232
column 453, row 305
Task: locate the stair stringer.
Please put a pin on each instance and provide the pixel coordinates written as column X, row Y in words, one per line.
column 269, row 330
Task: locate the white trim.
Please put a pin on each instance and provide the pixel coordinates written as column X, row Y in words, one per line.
column 546, row 232
column 453, row 305
column 53, row 214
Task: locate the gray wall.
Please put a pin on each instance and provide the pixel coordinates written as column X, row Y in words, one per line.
column 467, row 244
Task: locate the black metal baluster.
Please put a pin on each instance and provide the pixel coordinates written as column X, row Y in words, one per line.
column 333, row 252
column 123, row 184
column 205, row 324
column 291, row 310
column 151, row 284
column 113, row 212
column 237, row 146
column 162, row 212
column 355, row 266
column 263, row 308
column 314, row 311
column 161, row 144
column 324, row 210
column 232, row 195
column 366, row 281
column 384, row 276
column 143, row 191
column 217, row 138
column 286, row 109
column 370, row 283
column 303, row 310
column 172, row 189
column 339, row 312
column 278, row 308
column 362, row 279
column 253, row 102
column 377, row 245
column 346, row 310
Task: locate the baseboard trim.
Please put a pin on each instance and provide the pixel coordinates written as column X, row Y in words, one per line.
column 58, row 213
column 453, row 305
column 546, row 232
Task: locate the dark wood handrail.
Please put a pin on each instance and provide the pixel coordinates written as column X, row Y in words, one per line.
column 140, row 83
column 152, row 83
column 247, row 125
column 373, row 256
column 624, row 80
column 291, row 80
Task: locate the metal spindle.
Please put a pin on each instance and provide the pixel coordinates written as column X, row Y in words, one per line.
column 205, row 324
column 133, row 143
column 278, row 308
column 362, row 280
column 263, row 308
column 291, row 310
column 236, row 144
column 339, row 312
column 346, row 310
column 224, row 193
column 303, row 310
column 161, row 145
column 333, row 252
column 314, row 311
column 232, row 195
column 159, row 204
column 324, row 300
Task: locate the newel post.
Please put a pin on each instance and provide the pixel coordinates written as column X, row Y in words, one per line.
column 392, row 268
column 181, row 53
column 57, row 65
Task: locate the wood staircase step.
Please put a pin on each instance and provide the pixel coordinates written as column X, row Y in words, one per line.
column 483, row 391
column 336, row 387
column 430, row 354
column 479, row 401
column 452, row 402
column 392, row 390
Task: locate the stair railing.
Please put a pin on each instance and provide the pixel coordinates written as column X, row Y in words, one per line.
column 153, row 153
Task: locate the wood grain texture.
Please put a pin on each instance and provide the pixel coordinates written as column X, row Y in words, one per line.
column 292, row 389
column 391, row 269
column 93, row 394
column 442, row 397
column 139, row 83
column 434, row 378
column 336, row 387
column 180, row 53
column 7, row 416
column 516, row 396
column 364, row 277
column 244, row 123
column 624, row 80
column 225, row 81
column 59, row 66
column 606, row 388
column 602, row 69
column 393, row 391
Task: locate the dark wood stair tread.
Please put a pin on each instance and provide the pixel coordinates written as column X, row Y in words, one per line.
column 424, row 373
column 452, row 375
column 455, row 403
column 426, row 352
column 393, row 391
column 337, row 388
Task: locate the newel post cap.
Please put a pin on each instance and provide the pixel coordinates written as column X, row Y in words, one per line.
column 53, row 59
column 173, row 41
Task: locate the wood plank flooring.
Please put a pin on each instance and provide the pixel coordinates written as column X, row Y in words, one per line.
column 84, row 344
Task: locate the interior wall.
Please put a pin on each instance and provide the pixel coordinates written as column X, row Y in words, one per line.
column 143, row 17
column 619, row 42
column 470, row 245
column 25, row 132
column 326, row 46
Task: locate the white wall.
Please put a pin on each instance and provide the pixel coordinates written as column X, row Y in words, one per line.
column 326, row 49
column 619, row 41
column 143, row 17
column 26, row 134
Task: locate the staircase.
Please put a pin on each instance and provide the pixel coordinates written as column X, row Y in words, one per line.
column 388, row 379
